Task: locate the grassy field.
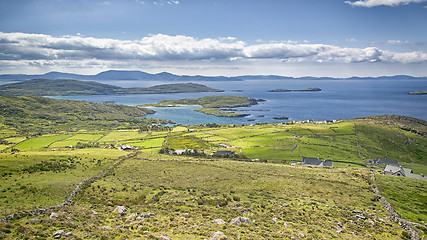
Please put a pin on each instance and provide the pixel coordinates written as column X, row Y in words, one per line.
column 186, row 193
column 40, row 142
column 36, row 178
column 408, row 196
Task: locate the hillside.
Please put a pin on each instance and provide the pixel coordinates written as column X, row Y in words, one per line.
column 185, row 197
column 31, row 114
column 259, row 195
column 49, row 87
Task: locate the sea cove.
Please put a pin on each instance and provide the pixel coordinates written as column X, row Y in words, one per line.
column 339, row 99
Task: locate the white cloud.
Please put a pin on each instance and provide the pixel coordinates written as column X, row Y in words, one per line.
column 164, row 2
column 45, row 50
column 375, row 3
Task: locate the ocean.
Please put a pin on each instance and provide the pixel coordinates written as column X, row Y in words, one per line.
column 339, row 99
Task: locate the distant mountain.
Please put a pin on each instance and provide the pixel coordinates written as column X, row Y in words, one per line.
column 165, row 76
column 58, row 87
column 118, row 75
column 276, row 77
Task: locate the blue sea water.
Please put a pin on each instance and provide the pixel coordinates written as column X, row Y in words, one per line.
column 339, row 99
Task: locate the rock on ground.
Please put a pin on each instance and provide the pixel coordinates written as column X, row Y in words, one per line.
column 218, row 221
column 239, row 220
column 219, row 236
column 58, row 234
column 120, row 210
column 132, row 217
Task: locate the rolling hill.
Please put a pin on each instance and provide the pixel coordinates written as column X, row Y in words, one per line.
column 49, row 87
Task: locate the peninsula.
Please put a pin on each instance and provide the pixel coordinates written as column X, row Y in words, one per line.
column 49, row 87
column 418, row 93
column 213, row 105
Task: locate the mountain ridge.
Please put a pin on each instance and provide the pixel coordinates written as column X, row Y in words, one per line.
column 165, row 76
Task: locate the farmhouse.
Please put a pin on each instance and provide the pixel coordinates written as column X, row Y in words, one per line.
column 403, row 172
column 127, row 147
column 177, row 151
column 185, row 151
column 308, row 161
column 224, row 154
column 386, row 162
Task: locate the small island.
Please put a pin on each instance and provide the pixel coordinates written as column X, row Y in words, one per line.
column 280, row 118
column 299, row 90
column 212, row 105
column 418, row 93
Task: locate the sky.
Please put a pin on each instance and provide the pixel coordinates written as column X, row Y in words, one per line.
column 335, row 38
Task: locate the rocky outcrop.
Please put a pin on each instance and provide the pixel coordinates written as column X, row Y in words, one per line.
column 239, row 220
column 120, row 210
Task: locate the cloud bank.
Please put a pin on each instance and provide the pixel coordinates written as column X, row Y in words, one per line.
column 375, row 3
column 15, row 47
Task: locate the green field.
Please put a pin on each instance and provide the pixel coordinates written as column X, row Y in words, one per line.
column 36, row 178
column 187, row 192
column 408, row 196
column 40, row 142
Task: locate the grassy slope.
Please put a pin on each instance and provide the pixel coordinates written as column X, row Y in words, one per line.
column 47, row 87
column 198, row 187
column 29, row 115
column 30, row 178
column 190, row 193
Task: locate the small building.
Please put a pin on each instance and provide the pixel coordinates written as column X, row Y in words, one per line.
column 178, row 151
column 402, row 172
column 127, row 147
column 386, row 161
column 185, row 151
column 224, row 154
column 308, row 161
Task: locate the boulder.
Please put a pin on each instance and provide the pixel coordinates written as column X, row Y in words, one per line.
column 132, row 217
column 219, row 236
column 148, row 215
column 218, row 221
column 53, row 215
column 58, row 234
column 120, row 210
column 68, row 234
column 164, row 238
column 239, row 220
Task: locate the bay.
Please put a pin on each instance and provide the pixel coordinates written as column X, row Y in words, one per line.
column 339, row 99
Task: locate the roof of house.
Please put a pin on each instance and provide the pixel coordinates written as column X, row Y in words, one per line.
column 327, row 163
column 225, row 153
column 310, row 161
column 387, row 161
column 391, row 168
column 316, row 162
column 406, row 172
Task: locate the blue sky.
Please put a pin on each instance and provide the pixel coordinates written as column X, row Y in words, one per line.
column 215, row 37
